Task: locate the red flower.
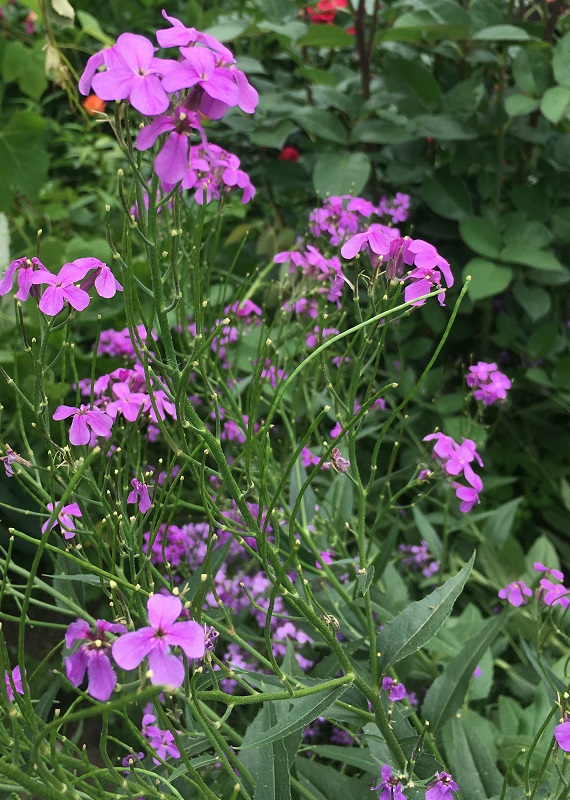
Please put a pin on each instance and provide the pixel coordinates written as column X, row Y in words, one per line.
column 94, row 104
column 289, row 154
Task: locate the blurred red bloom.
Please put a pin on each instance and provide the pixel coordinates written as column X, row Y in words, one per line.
column 289, row 153
column 94, row 104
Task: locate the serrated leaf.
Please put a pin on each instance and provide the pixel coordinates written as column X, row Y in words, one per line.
column 300, row 714
column 446, row 694
column 419, row 622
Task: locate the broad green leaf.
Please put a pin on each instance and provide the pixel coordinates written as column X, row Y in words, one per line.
column 418, row 88
column 487, row 279
column 561, row 223
column 427, row 532
column 26, row 66
column 464, row 97
column 274, row 136
column 289, row 30
column 326, row 36
column 91, row 27
column 322, row 77
column 484, row 13
column 443, row 127
column 277, row 10
column 414, row 627
column 481, row 235
column 532, row 299
column 502, row 33
column 561, row 61
column 228, row 31
column 321, row 123
column 447, row 195
column 267, row 763
column 300, row 714
column 447, row 693
column 23, row 158
column 330, row 782
column 517, row 105
column 358, row 757
column 532, row 72
column 472, row 764
column 341, row 173
column 499, row 524
column 375, row 132
column 542, row 550
column 523, row 252
column 555, row 103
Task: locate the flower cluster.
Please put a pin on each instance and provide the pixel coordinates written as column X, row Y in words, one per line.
column 489, row 384
column 551, row 594
column 455, row 460
column 70, row 285
column 418, row 558
column 442, row 787
column 202, row 81
column 128, row 650
column 325, row 11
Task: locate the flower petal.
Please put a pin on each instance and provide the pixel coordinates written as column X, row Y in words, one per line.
column 163, row 611
column 130, row 649
column 167, row 669
column 102, row 678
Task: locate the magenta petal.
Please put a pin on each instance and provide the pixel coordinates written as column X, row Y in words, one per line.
column 213, row 109
column 562, row 735
column 75, row 271
column 135, row 50
column 113, row 85
column 24, row 284
column 148, row 96
column 130, row 649
column 79, row 432
column 353, row 246
column 91, row 68
column 163, row 611
column 75, row 666
column 172, row 161
column 105, row 284
column 189, row 636
column 76, row 630
column 99, row 422
column 8, row 279
column 221, row 86
column 149, row 134
column 63, row 412
column 43, row 276
column 167, row 670
column 248, row 96
column 51, row 301
column 415, row 290
column 76, row 297
column 102, row 678
column 183, row 76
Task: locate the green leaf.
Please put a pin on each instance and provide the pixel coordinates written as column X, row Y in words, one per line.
column 330, row 783
column 375, row 132
column 447, row 693
column 91, row 27
column 532, row 299
column 364, row 579
column 502, row 33
column 358, row 757
column 532, row 72
column 321, row 123
column 555, row 103
column 23, row 159
column 301, row 712
column 418, row 88
column 277, row 10
column 517, row 105
column 523, row 252
column 446, row 195
column 443, row 127
column 472, row 764
column 561, row 61
column 499, row 524
column 561, row 223
column 341, row 173
column 487, row 279
column 419, row 622
column 26, row 66
column 228, row 31
column 481, row 235
column 268, row 763
column 326, row 36
column 274, row 136
column 427, row 532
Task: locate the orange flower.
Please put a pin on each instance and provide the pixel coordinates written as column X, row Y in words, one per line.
column 94, row 104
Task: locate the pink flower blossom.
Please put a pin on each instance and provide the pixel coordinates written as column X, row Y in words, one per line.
column 556, row 573
column 338, row 463
column 555, row 594
column 397, row 691
column 442, row 788
column 13, row 681
column 64, row 519
column 515, row 593
column 85, row 418
column 157, row 640
column 24, row 268
column 140, row 494
column 92, row 656
column 61, row 288
column 562, row 735
column 128, row 403
column 391, row 785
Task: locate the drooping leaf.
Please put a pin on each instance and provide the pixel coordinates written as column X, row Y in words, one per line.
column 414, row 627
column 446, row 694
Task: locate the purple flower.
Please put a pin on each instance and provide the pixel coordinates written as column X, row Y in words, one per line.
column 13, row 682
column 160, row 740
column 391, row 786
column 140, row 494
column 61, row 288
column 12, row 457
column 156, row 641
column 515, row 593
column 132, row 73
column 442, row 788
column 84, row 418
column 25, row 269
column 338, row 463
column 555, row 593
column 128, row 403
column 489, row 383
column 101, row 277
column 63, row 519
column 397, row 690
column 562, row 735
column 556, row 573
column 92, row 656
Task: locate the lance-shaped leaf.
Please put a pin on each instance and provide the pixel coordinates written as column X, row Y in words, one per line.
column 447, row 692
column 420, row 621
column 267, row 764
